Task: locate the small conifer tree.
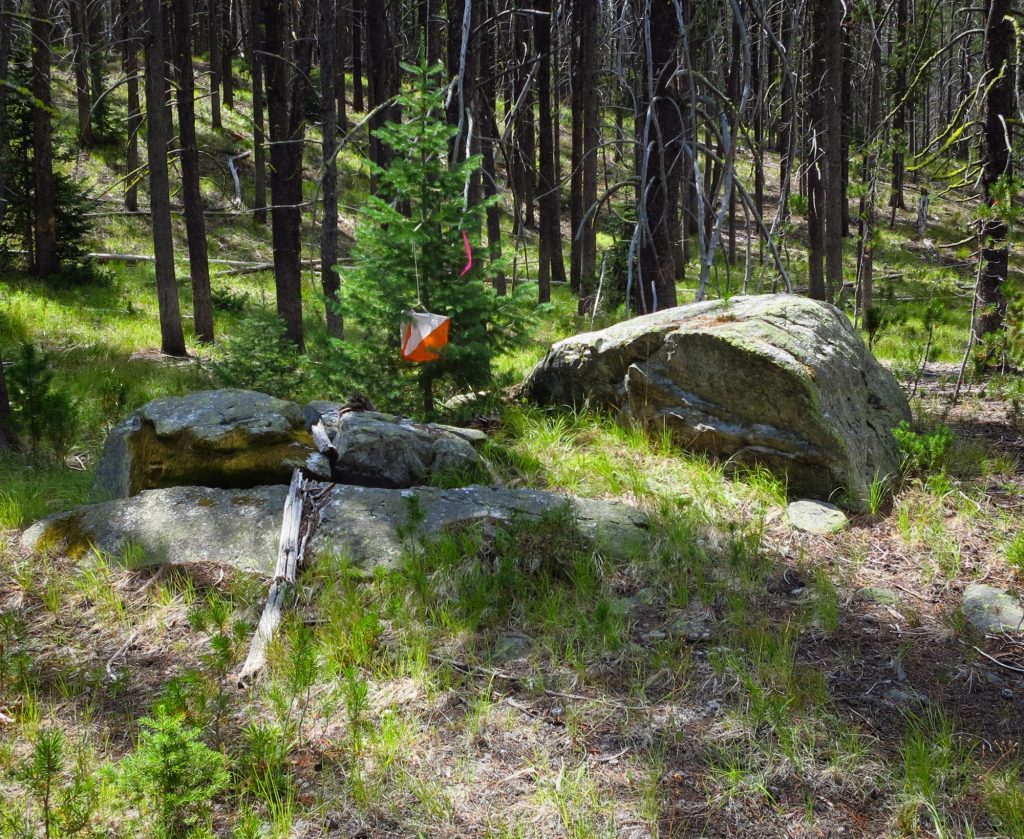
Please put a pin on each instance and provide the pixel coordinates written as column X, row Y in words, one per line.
column 409, row 253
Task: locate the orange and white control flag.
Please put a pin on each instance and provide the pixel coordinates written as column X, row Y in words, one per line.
column 424, row 335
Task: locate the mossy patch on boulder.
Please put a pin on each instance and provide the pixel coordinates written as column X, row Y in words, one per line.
column 216, row 438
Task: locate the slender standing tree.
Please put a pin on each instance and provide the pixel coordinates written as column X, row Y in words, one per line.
column 227, row 55
column 816, row 149
column 195, row 222
column 157, row 135
column 357, row 53
column 900, row 51
column 999, row 118
column 831, row 97
column 287, row 68
column 215, row 27
column 129, row 16
column 550, row 264
column 585, row 141
column 8, row 439
column 259, row 149
column 659, row 132
column 7, row 9
column 328, row 37
column 83, row 91
column 45, row 259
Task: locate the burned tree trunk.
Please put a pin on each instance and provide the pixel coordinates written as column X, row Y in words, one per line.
column 157, row 136
column 991, row 303
column 329, row 230
column 659, row 132
column 46, row 260
column 550, row 267
column 195, row 223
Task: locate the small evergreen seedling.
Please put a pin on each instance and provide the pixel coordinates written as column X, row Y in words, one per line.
column 173, row 774
column 66, row 805
column 40, row 410
column 409, row 252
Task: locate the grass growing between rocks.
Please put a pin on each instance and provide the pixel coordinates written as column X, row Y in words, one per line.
column 519, row 680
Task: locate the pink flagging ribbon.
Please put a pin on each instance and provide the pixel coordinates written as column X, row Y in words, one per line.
column 469, row 255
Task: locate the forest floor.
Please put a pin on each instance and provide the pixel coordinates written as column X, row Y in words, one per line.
column 737, row 679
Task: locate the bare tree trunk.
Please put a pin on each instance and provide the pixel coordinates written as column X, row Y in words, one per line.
column 131, row 70
column 172, row 337
column 576, row 149
column 586, row 131
column 259, row 149
column 899, row 119
column 429, row 25
column 524, row 139
column 97, row 47
column 659, row 131
column 343, row 43
column 999, row 115
column 866, row 264
column 195, row 223
column 489, row 129
column 7, row 9
column 216, row 41
column 287, row 71
column 382, row 69
column 816, row 155
column 329, row 230
column 46, row 260
column 8, row 439
column 83, row 92
column 831, row 99
column 227, row 54
column 551, row 266
column 358, row 18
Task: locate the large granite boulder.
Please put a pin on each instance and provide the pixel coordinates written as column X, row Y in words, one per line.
column 381, row 450
column 777, row 380
column 219, row 438
column 182, row 525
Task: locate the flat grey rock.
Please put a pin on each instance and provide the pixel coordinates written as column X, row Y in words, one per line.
column 992, row 610
column 182, row 525
column 816, row 517
column 776, row 380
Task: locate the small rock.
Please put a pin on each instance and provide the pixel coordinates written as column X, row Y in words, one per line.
column 879, row 596
column 1006, row 693
column 992, row 610
column 654, row 635
column 691, row 630
column 906, row 698
column 816, row 517
column 511, row 646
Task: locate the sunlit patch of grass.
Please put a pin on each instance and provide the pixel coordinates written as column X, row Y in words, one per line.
column 31, row 491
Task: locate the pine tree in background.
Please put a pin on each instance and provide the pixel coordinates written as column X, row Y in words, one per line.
column 409, row 253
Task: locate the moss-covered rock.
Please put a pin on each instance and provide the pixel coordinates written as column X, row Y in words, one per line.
column 777, row 380
column 217, row 438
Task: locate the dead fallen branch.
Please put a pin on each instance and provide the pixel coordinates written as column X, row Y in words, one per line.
column 299, row 522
